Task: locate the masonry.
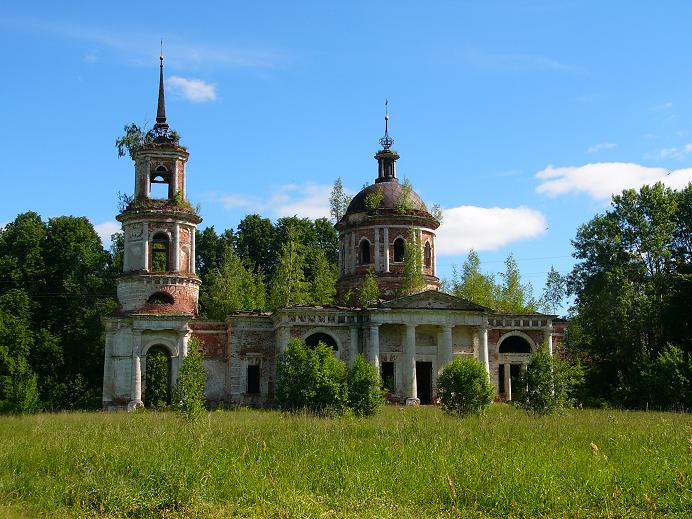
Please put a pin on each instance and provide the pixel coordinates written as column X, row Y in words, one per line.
column 409, row 339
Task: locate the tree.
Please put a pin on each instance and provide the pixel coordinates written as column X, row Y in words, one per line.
column 472, row 284
column 257, row 241
column 210, row 249
column 338, row 200
column 230, row 287
column 322, row 280
column 289, row 286
column 188, row 395
column 553, row 293
column 369, row 291
column 514, row 296
column 541, row 388
column 18, row 388
column 464, row 388
column 412, row 279
column 364, row 393
column 632, row 263
column 135, row 137
column 311, row 379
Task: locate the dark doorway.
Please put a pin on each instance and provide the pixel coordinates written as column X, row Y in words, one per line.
column 424, row 382
column 501, row 379
column 157, row 378
column 388, row 380
column 253, row 379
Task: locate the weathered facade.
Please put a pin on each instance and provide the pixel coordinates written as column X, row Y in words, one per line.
column 410, row 339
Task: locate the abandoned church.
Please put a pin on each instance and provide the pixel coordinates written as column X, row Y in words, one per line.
column 409, row 339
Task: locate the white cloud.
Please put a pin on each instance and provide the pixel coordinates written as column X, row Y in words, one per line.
column 486, row 228
column 673, row 152
column 91, row 57
column 516, row 62
column 105, row 230
column 603, row 179
column 601, row 146
column 308, row 200
column 194, row 90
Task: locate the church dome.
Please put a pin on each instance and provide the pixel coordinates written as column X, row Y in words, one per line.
column 392, row 193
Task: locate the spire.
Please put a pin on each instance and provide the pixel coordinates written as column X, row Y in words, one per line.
column 386, row 157
column 161, row 111
column 386, row 141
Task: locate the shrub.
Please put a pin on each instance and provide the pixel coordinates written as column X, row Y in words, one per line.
column 364, row 393
column 311, row 379
column 188, row 395
column 542, row 388
column 464, row 388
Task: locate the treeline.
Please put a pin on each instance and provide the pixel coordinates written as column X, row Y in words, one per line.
column 631, row 325
column 56, row 282
column 264, row 265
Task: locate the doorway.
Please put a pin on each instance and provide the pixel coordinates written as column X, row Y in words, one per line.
column 424, row 382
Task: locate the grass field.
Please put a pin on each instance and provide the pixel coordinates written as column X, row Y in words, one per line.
column 413, row 462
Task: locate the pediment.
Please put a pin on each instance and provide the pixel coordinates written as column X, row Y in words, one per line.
column 433, row 300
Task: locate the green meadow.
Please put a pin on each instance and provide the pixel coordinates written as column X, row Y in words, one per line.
column 404, row 462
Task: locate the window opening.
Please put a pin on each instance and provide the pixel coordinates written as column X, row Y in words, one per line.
column 364, row 252
column 399, row 246
column 160, row 261
column 427, row 254
column 388, row 379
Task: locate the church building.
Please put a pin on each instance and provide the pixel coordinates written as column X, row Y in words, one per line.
column 409, row 339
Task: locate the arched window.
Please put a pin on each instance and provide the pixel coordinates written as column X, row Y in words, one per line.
column 160, row 257
column 160, row 298
column 399, row 246
column 158, row 182
column 515, row 344
column 427, row 254
column 313, row 340
column 364, row 252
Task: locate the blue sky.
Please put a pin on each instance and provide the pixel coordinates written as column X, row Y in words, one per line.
column 519, row 118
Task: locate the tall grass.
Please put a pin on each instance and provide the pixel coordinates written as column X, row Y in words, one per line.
column 413, row 462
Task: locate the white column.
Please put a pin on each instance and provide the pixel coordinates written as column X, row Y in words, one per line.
column 483, row 348
column 145, row 246
column 409, row 365
column 108, row 369
column 444, row 347
column 434, row 256
column 548, row 337
column 374, row 346
column 508, row 382
column 136, row 380
column 176, row 247
column 386, row 249
column 281, row 340
column 377, row 249
column 353, row 346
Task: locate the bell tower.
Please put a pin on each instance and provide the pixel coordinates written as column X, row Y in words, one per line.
column 159, row 259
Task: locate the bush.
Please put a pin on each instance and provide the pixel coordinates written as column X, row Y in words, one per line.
column 188, row 395
column 464, row 388
column 542, row 388
column 311, row 379
column 364, row 393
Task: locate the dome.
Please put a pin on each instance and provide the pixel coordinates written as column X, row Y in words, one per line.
column 391, row 191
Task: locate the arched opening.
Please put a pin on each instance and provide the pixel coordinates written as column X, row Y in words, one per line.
column 313, row 340
column 515, row 344
column 160, row 257
column 157, row 378
column 158, row 183
column 399, row 248
column 160, row 298
column 427, row 254
column 364, row 252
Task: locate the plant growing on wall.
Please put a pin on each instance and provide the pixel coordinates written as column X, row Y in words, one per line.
column 412, row 279
column 370, row 290
column 373, row 199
